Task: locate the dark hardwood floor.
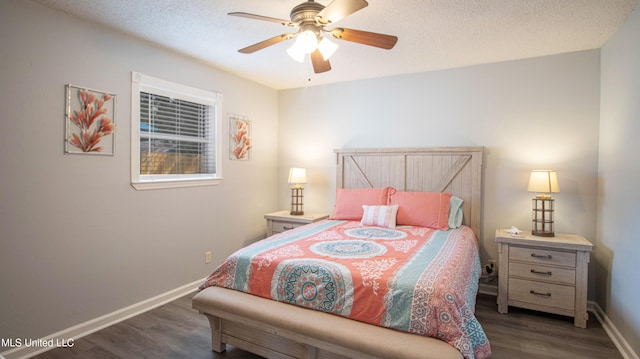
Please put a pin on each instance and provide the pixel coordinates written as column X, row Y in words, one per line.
column 529, row 334
column 175, row 330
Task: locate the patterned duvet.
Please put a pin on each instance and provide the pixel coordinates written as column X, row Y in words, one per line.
column 414, row 279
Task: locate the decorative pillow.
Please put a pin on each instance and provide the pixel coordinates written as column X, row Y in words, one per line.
column 426, row 209
column 349, row 202
column 379, row 216
column 455, row 212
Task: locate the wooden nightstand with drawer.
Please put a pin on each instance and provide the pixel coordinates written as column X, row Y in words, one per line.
column 281, row 221
column 548, row 274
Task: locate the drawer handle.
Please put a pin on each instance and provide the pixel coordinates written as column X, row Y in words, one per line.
column 547, row 294
column 548, row 256
column 287, row 228
column 538, row 272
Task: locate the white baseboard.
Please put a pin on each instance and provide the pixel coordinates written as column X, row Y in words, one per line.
column 618, row 340
column 490, row 288
column 71, row 334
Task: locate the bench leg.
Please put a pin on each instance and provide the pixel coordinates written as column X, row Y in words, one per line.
column 216, row 334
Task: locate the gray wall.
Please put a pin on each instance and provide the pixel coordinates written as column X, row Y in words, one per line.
column 76, row 240
column 530, row 114
column 618, row 246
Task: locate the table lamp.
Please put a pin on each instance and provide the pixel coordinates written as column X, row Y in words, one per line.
column 543, row 182
column 297, row 176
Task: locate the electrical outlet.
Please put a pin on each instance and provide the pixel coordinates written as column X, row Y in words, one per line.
column 207, row 257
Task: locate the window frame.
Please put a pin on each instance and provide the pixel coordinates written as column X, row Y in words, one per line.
column 144, row 83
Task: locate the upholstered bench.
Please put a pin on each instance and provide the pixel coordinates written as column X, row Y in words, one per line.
column 279, row 330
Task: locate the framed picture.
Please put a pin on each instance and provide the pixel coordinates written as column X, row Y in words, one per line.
column 89, row 121
column 239, row 138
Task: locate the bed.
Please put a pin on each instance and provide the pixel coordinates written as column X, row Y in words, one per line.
column 362, row 290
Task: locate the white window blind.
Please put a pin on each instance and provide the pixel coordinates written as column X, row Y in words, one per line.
column 177, row 135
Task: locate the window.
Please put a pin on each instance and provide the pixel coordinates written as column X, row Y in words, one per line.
column 175, row 134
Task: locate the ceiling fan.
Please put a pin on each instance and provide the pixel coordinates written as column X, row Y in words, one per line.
column 311, row 19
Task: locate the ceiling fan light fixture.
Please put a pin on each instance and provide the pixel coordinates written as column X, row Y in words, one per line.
column 327, row 48
column 296, row 53
column 307, row 41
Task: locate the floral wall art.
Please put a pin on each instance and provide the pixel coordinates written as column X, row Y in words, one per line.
column 240, row 141
column 89, row 121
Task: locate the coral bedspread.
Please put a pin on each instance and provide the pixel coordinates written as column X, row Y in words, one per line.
column 413, row 279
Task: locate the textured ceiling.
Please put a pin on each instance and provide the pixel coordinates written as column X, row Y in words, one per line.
column 433, row 34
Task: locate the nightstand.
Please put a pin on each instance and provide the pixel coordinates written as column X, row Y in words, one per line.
column 548, row 274
column 283, row 221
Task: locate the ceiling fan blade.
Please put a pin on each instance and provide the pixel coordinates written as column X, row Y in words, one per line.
column 338, row 10
column 365, row 37
column 263, row 18
column 266, row 43
column 320, row 65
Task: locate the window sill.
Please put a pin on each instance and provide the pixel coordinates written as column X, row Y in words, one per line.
column 143, row 186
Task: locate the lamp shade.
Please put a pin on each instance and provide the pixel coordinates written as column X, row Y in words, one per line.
column 307, row 41
column 297, row 175
column 543, row 181
column 296, row 53
column 327, row 48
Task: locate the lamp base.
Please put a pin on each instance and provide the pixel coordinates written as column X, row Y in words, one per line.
column 296, row 201
column 542, row 217
column 542, row 233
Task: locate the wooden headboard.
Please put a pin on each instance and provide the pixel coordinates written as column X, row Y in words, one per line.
column 457, row 170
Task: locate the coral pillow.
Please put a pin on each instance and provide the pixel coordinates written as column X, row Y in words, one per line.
column 379, row 216
column 349, row 202
column 426, row 209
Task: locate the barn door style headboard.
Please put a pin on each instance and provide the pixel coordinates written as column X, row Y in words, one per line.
column 457, row 170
